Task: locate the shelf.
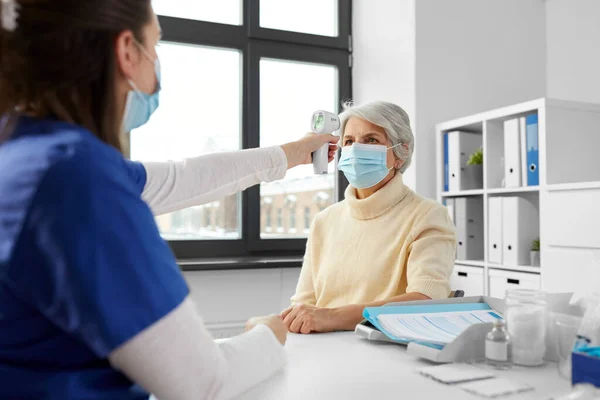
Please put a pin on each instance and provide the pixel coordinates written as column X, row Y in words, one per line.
column 518, row 268
column 522, row 189
column 462, row 193
column 479, row 192
column 573, row 186
column 472, row 263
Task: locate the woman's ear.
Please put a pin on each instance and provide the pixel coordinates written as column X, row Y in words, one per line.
column 126, row 55
column 399, row 163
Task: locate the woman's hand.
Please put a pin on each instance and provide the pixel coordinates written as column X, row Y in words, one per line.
column 305, row 319
column 274, row 322
column 300, row 152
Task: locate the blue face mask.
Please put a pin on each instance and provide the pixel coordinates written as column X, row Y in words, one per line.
column 364, row 165
column 140, row 106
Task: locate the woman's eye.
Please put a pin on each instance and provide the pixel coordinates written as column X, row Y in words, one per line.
column 348, row 142
column 373, row 140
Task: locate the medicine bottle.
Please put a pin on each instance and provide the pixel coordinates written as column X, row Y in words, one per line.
column 497, row 346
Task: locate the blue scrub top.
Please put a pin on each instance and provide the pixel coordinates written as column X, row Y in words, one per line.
column 83, row 267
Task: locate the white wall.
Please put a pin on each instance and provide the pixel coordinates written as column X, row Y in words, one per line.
column 573, row 55
column 384, row 61
column 472, row 56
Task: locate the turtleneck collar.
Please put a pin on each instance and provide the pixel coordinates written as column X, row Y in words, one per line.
column 379, row 202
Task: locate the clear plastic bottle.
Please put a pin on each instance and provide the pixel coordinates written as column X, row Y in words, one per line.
column 498, row 346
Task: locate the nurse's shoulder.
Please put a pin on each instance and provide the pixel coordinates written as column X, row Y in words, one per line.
column 41, row 147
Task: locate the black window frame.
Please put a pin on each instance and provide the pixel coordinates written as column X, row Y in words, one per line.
column 254, row 43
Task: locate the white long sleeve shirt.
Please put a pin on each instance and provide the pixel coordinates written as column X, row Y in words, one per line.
column 176, row 358
column 172, row 186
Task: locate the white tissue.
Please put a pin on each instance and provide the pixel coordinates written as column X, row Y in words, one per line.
column 527, row 329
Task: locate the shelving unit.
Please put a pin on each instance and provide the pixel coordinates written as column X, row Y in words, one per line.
column 516, row 268
column 567, row 198
column 524, row 189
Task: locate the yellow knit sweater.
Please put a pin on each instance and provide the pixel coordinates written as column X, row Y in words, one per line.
column 391, row 243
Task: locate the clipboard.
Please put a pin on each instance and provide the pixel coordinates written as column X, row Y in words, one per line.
column 468, row 346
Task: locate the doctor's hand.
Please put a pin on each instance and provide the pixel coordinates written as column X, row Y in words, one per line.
column 300, row 152
column 274, row 322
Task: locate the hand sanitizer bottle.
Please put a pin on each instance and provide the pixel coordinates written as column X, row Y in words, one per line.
column 497, row 346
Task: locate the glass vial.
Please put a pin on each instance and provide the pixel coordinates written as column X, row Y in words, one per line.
column 497, row 346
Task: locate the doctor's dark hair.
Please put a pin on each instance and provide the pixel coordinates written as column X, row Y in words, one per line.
column 57, row 60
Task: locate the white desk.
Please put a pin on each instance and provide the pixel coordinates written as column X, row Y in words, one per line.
column 344, row 366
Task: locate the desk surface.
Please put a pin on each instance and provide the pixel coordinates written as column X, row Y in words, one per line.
column 344, row 366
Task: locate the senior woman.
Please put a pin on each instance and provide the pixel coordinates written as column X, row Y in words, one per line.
column 383, row 243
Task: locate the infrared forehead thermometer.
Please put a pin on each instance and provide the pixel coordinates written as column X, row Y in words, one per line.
column 323, row 122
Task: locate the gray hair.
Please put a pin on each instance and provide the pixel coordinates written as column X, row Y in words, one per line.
column 392, row 118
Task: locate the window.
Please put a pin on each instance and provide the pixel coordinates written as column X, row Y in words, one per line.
column 175, row 132
column 267, row 212
column 307, row 220
column 290, row 202
column 317, row 17
column 207, row 217
column 242, row 74
column 316, row 91
column 222, row 11
column 280, row 220
column 322, row 200
column 292, row 229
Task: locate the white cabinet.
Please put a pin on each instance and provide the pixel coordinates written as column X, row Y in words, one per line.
column 571, row 269
column 469, row 279
column 501, row 281
column 575, row 218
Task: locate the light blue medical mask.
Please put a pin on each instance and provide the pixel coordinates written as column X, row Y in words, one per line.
column 364, row 165
column 140, row 106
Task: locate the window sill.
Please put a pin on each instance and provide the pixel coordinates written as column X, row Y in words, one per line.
column 219, row 264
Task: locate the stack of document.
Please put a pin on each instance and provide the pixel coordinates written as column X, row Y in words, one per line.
column 435, row 325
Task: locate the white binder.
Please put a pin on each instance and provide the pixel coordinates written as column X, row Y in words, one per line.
column 450, row 207
column 495, row 247
column 512, row 153
column 460, row 147
column 468, row 213
column 523, row 148
column 520, row 229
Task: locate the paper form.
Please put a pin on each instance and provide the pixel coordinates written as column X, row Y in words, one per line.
column 437, row 328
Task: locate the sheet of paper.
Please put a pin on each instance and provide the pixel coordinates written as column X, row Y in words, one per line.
column 495, row 387
column 455, row 373
column 438, row 328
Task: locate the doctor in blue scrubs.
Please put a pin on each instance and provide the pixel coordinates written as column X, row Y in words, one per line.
column 92, row 303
